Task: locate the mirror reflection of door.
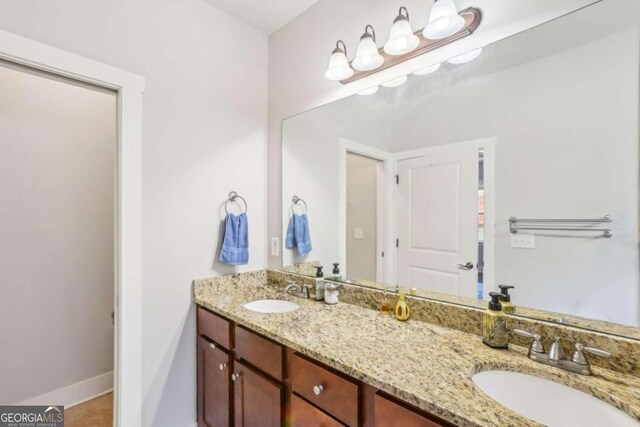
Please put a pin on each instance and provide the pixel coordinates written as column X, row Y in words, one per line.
column 440, row 207
column 364, row 217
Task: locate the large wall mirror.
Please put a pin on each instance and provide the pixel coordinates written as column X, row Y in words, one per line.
column 518, row 167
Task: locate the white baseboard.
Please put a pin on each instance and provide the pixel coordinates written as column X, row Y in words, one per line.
column 75, row 394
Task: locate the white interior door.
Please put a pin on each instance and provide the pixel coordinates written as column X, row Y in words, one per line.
column 437, row 221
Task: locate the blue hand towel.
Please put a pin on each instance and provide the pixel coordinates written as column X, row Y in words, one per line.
column 235, row 245
column 298, row 235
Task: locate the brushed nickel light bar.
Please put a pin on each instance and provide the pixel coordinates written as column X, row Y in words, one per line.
column 472, row 17
column 446, row 25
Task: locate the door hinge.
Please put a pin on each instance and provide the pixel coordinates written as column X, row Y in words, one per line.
column 397, row 179
column 382, row 254
column 397, row 243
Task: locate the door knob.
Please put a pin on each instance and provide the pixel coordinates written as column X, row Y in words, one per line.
column 467, row 266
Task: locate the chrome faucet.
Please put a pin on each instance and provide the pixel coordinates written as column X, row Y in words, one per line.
column 295, row 289
column 578, row 363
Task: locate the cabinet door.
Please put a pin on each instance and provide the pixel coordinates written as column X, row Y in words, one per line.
column 389, row 413
column 214, row 385
column 258, row 401
column 303, row 414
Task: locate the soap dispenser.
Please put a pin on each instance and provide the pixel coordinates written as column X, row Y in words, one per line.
column 319, row 284
column 505, row 299
column 402, row 308
column 335, row 274
column 494, row 324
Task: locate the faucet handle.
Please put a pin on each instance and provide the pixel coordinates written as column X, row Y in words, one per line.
column 536, row 345
column 579, row 357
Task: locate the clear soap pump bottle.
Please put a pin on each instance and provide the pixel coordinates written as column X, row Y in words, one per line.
column 494, row 324
column 505, row 299
column 319, row 284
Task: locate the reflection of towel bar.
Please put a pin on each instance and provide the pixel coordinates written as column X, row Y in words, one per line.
column 515, row 224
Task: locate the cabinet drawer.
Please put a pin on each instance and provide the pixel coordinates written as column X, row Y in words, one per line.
column 303, row 414
column 261, row 352
column 390, row 413
column 214, row 327
column 338, row 396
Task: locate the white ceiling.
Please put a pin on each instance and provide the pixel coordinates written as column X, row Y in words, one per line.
column 264, row 15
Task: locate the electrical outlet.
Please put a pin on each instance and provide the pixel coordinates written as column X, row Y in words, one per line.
column 275, row 246
column 523, row 240
column 358, row 233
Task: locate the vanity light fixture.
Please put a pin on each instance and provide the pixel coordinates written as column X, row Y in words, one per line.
column 401, row 37
column 395, row 82
column 444, row 20
column 465, row 57
column 428, row 70
column 369, row 91
column 367, row 55
column 339, row 68
column 446, row 25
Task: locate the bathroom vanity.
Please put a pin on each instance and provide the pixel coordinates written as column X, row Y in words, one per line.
column 246, row 379
column 323, row 365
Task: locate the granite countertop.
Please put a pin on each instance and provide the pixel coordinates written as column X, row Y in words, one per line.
column 426, row 365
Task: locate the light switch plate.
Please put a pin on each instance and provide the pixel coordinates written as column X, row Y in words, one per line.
column 523, row 240
column 275, row 246
column 358, row 233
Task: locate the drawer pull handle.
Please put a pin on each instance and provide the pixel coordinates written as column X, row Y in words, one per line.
column 235, row 376
column 317, row 389
column 212, row 345
column 222, row 366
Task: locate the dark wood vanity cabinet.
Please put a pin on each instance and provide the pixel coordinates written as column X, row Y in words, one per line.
column 247, row 380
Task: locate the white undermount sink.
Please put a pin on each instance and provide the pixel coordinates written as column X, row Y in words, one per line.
column 272, row 306
column 549, row 403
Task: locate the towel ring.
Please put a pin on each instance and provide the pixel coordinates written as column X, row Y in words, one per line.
column 233, row 196
column 295, row 200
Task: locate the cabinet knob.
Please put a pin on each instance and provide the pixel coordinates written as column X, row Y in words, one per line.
column 222, row 366
column 317, row 389
column 235, row 376
column 212, row 345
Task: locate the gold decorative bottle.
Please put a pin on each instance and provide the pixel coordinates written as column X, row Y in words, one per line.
column 505, row 299
column 494, row 324
column 402, row 308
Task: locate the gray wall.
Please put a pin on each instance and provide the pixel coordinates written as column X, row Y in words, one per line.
column 57, row 184
column 204, row 134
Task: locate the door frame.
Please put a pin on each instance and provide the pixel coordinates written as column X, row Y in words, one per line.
column 384, row 186
column 489, row 146
column 128, row 236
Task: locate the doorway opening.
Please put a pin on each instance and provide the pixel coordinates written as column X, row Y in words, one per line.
column 365, row 183
column 58, row 180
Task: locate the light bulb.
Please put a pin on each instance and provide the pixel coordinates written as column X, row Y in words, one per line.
column 339, row 68
column 395, row 82
column 401, row 37
column 428, row 70
column 444, row 20
column 465, row 57
column 367, row 55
